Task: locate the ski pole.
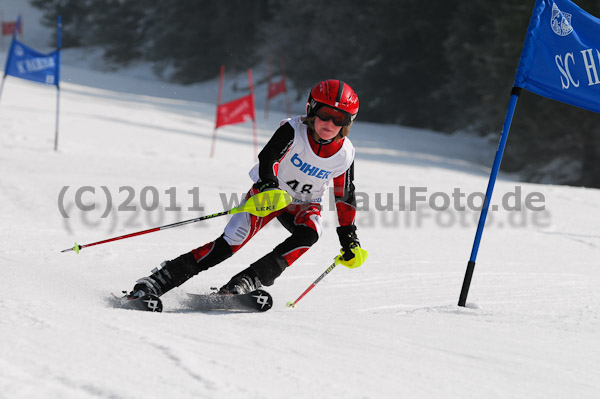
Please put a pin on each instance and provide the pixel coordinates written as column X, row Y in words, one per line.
column 260, row 204
column 336, row 261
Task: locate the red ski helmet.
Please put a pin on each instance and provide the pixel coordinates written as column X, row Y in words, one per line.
column 335, row 94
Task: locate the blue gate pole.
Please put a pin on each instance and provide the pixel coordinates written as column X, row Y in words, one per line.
column 58, row 47
column 516, row 91
column 10, row 52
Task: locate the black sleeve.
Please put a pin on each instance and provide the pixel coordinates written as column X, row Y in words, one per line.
column 344, row 187
column 274, row 151
column 345, row 197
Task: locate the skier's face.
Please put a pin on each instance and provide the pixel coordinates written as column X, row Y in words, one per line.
column 326, row 130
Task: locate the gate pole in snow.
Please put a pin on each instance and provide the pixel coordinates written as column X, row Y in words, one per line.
column 10, row 51
column 488, row 195
column 2, row 85
column 58, row 46
column 219, row 97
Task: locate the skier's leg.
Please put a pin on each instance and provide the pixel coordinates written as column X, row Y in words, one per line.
column 173, row 273
column 305, row 225
column 240, row 229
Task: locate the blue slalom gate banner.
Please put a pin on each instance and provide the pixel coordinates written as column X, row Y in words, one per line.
column 560, row 60
column 561, row 55
column 26, row 63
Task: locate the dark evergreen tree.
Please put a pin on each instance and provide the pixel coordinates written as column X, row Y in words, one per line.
column 195, row 37
column 73, row 14
column 407, row 65
column 319, row 40
column 191, row 38
column 444, row 64
column 548, row 140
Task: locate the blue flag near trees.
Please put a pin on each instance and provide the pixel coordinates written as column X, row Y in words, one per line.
column 561, row 55
column 25, row 63
column 559, row 60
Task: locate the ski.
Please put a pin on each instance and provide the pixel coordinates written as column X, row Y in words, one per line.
column 148, row 302
column 255, row 301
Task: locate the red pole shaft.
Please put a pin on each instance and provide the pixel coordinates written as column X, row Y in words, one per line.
column 326, row 272
column 139, row 233
column 152, row 230
column 304, row 293
column 212, row 146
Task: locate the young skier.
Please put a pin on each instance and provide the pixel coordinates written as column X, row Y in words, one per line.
column 304, row 155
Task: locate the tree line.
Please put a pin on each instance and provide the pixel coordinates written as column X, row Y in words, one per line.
column 446, row 65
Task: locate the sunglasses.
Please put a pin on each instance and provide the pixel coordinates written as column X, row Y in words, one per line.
column 338, row 117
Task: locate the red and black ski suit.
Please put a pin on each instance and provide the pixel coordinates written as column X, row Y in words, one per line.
column 302, row 220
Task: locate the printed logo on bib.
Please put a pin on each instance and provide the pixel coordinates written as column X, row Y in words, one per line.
column 309, row 169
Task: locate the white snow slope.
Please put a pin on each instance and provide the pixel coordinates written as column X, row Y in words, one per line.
column 389, row 329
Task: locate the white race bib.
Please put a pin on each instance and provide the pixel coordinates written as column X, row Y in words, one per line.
column 302, row 173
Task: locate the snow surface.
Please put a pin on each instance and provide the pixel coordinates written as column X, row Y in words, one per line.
column 390, row 329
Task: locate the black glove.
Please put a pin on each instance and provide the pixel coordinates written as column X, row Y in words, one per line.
column 348, row 240
column 264, row 185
